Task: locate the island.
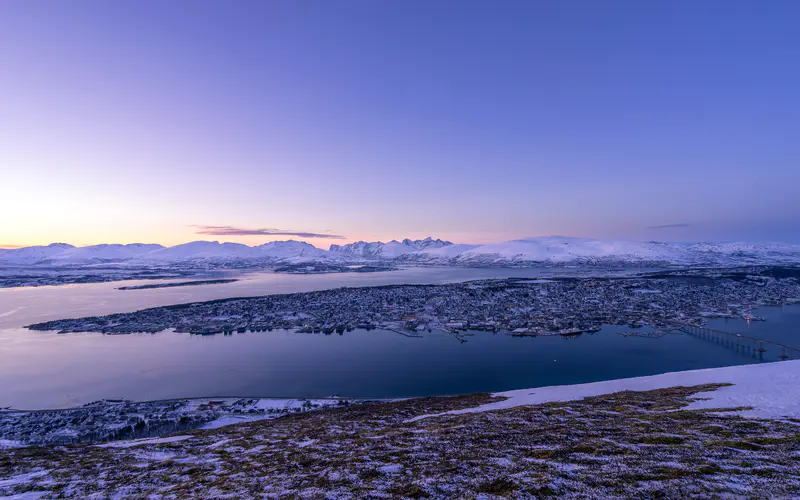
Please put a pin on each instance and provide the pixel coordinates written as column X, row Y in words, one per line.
column 320, row 268
column 567, row 306
column 182, row 283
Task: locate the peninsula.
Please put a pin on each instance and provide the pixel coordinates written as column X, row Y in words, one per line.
column 564, row 305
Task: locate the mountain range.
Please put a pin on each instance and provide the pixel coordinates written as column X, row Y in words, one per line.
column 553, row 250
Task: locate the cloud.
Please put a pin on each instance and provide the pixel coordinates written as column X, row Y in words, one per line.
column 669, row 226
column 238, row 231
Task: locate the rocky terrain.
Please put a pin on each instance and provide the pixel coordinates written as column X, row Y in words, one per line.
column 621, row 445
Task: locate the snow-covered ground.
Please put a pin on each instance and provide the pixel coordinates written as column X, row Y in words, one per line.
column 552, row 250
column 622, row 445
column 268, row 408
column 140, row 442
column 633, row 441
column 10, row 443
column 22, row 478
column 29, row 495
column 771, row 390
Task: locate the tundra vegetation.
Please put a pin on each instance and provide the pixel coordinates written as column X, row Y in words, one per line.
column 626, row 445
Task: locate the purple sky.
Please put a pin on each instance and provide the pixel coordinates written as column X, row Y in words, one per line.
column 472, row 121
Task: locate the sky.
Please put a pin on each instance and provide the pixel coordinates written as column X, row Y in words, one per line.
column 334, row 121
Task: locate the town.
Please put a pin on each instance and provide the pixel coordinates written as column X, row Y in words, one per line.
column 565, row 306
column 111, row 420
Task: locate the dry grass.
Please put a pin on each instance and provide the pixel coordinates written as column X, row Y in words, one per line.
column 626, row 445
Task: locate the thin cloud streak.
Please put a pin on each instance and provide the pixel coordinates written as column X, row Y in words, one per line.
column 238, row 231
column 669, row 226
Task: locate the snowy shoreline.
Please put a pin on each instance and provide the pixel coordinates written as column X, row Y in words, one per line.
column 123, row 421
column 769, row 390
column 675, row 435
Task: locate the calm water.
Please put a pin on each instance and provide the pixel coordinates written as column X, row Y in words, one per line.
column 782, row 325
column 44, row 369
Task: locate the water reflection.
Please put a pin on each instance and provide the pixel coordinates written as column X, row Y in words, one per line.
column 43, row 369
column 51, row 370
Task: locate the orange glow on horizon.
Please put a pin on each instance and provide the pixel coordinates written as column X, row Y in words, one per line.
column 177, row 236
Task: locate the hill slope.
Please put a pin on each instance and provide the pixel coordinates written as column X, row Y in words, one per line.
column 656, row 443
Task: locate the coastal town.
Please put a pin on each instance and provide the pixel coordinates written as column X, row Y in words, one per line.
column 565, row 306
column 111, row 420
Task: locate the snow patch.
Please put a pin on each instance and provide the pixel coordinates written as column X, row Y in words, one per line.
column 772, row 390
column 219, row 443
column 9, row 443
column 391, row 469
column 28, row 495
column 22, row 478
column 139, row 442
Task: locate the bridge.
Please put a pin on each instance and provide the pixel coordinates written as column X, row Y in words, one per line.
column 739, row 342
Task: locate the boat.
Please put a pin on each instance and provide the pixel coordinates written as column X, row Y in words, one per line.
column 570, row 332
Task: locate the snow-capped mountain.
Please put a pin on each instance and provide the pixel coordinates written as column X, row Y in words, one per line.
column 553, row 250
column 291, row 250
column 138, row 254
column 559, row 250
column 210, row 252
column 33, row 255
column 390, row 250
column 436, row 254
column 202, row 250
column 96, row 254
column 64, row 254
column 562, row 250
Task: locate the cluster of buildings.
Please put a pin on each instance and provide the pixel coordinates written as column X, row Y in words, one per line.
column 110, row 420
column 525, row 306
column 99, row 421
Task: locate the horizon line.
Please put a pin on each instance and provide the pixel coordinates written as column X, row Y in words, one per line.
column 301, row 240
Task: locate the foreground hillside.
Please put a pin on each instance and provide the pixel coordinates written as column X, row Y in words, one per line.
column 625, row 444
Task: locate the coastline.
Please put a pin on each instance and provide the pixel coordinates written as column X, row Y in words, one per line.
column 680, row 434
column 745, row 387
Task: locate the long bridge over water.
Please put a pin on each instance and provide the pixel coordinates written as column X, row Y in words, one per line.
column 739, row 342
